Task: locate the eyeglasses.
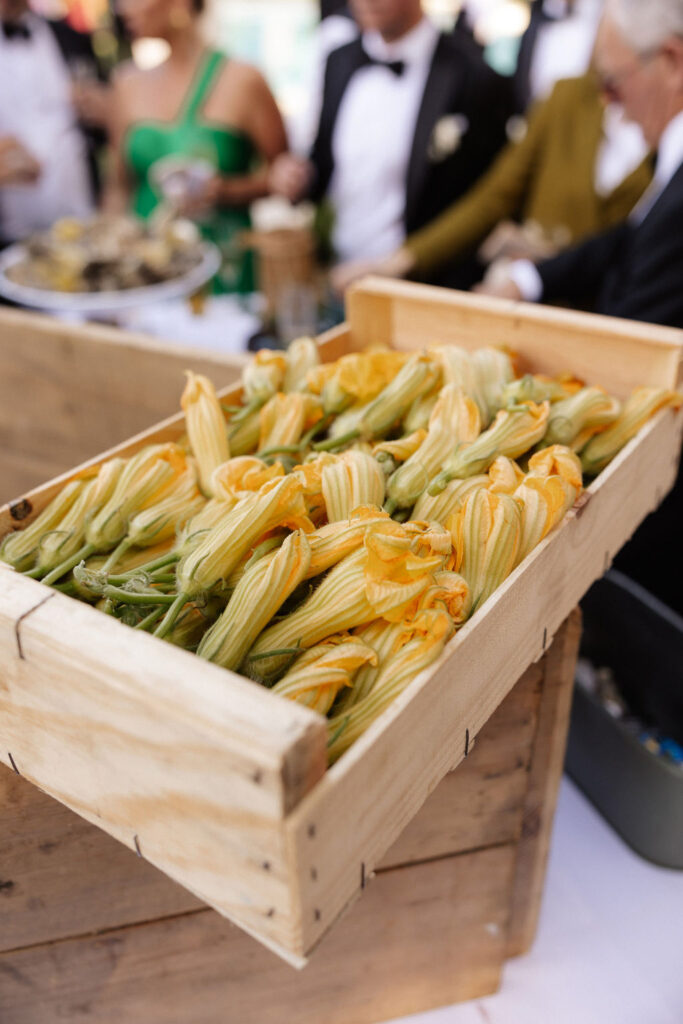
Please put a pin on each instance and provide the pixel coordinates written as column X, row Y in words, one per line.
column 611, row 85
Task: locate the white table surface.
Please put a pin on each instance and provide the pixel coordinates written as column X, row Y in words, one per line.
column 609, row 947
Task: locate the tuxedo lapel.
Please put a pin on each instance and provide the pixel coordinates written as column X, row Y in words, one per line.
column 341, row 67
column 659, row 212
column 442, row 83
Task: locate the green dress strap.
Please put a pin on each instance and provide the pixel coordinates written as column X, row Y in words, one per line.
column 208, row 71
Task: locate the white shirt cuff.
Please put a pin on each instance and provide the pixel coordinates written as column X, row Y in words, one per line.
column 527, row 278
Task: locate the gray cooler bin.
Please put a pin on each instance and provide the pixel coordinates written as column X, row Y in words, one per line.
column 641, row 640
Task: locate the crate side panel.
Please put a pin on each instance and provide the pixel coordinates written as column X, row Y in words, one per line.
column 545, row 772
column 70, row 391
column 115, row 729
column 424, row 936
column 482, row 802
column 384, row 779
column 60, row 876
column 617, row 354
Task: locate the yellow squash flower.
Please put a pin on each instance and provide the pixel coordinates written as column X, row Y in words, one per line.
column 513, row 432
column 493, row 370
column 19, row 549
column 263, row 376
column 438, row 507
column 260, row 593
column 558, row 460
column 284, row 418
column 486, row 532
column 352, row 479
column 390, row 406
column 244, row 432
column 277, row 503
column 422, row 642
column 455, row 420
column 317, row 675
column 356, row 378
column 417, row 417
column 334, row 541
column 301, row 357
column 544, row 501
column 540, row 388
column 505, row 475
column 69, row 538
column 583, row 414
column 162, row 520
column 402, row 448
column 206, row 427
column 145, row 479
column 636, row 411
column 382, row 579
column 231, row 481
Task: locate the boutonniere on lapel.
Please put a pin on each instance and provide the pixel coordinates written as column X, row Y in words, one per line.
column 447, row 137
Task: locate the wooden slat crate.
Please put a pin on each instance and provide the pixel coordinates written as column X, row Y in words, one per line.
column 69, row 391
column 221, row 784
column 89, row 932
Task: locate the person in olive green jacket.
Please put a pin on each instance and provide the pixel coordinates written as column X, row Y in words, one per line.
column 576, row 170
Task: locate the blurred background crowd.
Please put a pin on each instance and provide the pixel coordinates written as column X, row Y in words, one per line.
column 524, row 149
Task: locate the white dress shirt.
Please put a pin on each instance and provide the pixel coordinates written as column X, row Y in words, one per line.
column 372, row 142
column 669, row 159
column 622, row 149
column 36, row 108
column 563, row 47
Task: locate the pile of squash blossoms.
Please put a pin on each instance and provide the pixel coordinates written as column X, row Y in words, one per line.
column 328, row 535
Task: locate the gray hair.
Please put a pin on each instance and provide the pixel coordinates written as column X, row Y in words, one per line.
column 646, row 24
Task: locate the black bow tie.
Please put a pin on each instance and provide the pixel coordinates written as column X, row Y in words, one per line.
column 15, row 30
column 397, row 67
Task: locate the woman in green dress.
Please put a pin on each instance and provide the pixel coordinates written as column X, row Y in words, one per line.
column 201, row 106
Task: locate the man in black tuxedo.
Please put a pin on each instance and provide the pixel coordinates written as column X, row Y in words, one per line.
column 410, row 119
column 52, row 108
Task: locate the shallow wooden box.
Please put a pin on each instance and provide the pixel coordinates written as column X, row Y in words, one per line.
column 221, row 784
column 89, row 932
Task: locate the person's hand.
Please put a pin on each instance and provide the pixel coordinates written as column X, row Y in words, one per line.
column 290, row 176
column 398, row 264
column 92, row 102
column 498, row 283
column 526, row 241
column 17, row 165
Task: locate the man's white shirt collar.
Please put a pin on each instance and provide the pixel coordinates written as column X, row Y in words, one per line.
column 670, row 151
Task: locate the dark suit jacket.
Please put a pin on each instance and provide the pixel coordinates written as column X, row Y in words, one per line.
column 77, row 46
column 637, row 272
column 629, row 271
column 458, row 83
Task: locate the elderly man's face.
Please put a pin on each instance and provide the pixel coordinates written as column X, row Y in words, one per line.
column 390, row 17
column 648, row 86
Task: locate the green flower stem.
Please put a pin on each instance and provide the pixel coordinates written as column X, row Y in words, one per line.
column 148, row 597
column 316, row 429
column 117, row 554
column 336, row 442
column 390, row 506
column 284, row 449
column 66, row 566
column 150, row 619
column 149, row 567
column 245, row 412
column 169, row 619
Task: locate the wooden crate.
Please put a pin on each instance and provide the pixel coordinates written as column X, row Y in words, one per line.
column 69, row 391
column 89, row 932
column 221, row 784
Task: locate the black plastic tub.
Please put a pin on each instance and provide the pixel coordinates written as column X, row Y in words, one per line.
column 641, row 641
